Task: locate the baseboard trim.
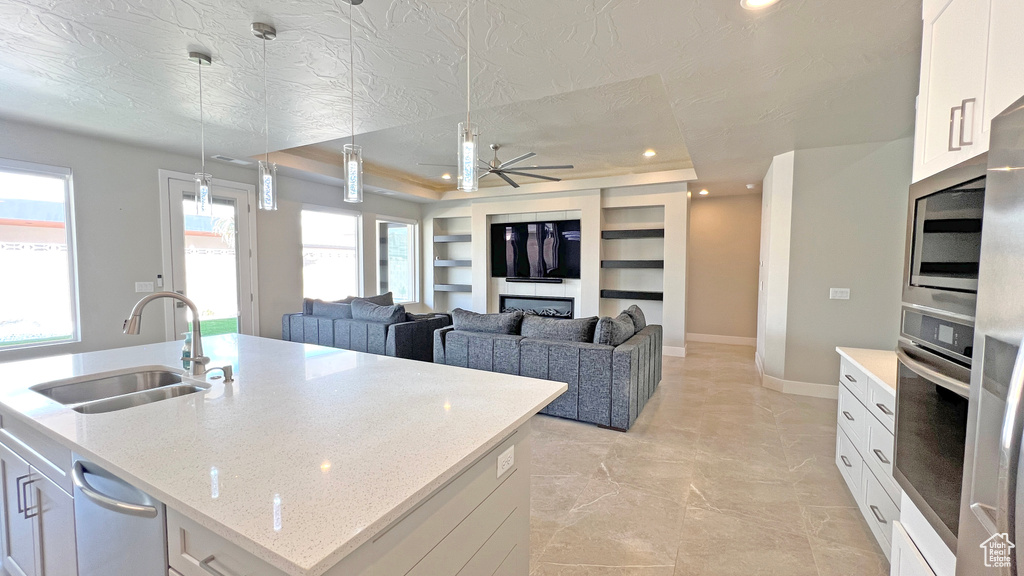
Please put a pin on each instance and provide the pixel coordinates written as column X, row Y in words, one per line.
column 800, row 388
column 716, row 339
column 759, row 364
column 677, row 351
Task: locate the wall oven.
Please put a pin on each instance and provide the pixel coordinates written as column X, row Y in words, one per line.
column 934, row 353
column 944, row 239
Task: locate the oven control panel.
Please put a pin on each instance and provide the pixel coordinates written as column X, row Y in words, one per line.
column 937, row 332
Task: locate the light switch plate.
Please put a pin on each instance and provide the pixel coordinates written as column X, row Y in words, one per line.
column 506, row 460
column 143, row 286
column 839, row 294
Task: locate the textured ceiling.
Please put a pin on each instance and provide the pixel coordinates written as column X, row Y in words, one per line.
column 740, row 86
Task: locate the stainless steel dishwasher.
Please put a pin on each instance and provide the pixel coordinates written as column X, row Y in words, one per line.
column 119, row 528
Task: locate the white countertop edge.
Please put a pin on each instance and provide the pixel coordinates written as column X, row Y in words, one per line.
column 265, row 554
column 852, row 355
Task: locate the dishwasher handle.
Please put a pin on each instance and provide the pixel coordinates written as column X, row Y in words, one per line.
column 113, row 504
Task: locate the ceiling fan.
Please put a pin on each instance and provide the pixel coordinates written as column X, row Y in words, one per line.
column 504, row 169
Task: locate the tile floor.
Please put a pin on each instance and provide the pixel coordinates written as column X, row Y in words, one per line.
column 719, row 476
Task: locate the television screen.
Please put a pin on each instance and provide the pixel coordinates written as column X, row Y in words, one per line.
column 536, row 249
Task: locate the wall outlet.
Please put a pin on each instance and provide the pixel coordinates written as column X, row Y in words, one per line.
column 506, row 460
column 143, row 286
column 839, row 294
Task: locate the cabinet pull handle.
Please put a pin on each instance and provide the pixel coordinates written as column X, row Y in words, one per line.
column 850, row 378
column 848, row 416
column 205, row 565
column 28, row 511
column 952, row 124
column 878, row 514
column 885, row 409
column 17, row 487
column 963, row 118
column 881, row 456
column 846, row 461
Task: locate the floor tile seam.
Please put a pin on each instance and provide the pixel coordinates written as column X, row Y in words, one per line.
column 583, row 565
column 801, row 531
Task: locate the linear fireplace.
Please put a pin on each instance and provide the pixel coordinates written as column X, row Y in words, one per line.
column 552, row 306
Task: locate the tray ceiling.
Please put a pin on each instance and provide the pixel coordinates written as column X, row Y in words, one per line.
column 699, row 80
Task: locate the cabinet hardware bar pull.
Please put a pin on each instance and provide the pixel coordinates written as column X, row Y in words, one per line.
column 846, row 461
column 17, row 486
column 205, row 565
column 850, row 378
column 112, row 504
column 24, row 495
column 848, row 416
column 952, row 124
column 881, row 456
column 963, row 114
column 878, row 514
column 885, row 409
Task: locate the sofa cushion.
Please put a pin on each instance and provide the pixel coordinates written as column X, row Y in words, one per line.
column 505, row 323
column 545, row 328
column 363, row 309
column 333, row 310
column 637, row 316
column 614, row 331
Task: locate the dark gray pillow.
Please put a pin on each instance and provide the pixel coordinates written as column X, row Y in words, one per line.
column 382, row 300
column 637, row 316
column 363, row 309
column 614, row 331
column 307, row 306
column 545, row 328
column 505, row 323
column 331, row 309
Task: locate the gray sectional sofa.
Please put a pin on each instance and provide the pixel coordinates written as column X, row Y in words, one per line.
column 373, row 325
column 610, row 367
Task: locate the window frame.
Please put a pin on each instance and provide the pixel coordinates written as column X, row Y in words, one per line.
column 414, row 249
column 359, row 240
column 66, row 174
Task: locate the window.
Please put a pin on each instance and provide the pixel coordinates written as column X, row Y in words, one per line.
column 397, row 258
column 330, row 255
column 38, row 295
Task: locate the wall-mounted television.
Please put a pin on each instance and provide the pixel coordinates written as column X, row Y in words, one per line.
column 536, row 249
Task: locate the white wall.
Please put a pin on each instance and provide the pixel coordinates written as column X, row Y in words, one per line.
column 118, row 230
column 773, row 275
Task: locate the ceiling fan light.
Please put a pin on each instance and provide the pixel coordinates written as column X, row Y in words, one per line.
column 757, row 4
column 446, row 176
column 467, row 165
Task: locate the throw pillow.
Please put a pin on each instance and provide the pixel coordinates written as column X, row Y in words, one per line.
column 505, row 323
column 331, row 309
column 363, row 309
column 637, row 316
column 386, row 299
column 614, row 331
column 572, row 330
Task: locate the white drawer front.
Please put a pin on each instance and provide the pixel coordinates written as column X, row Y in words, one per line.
column 882, row 404
column 853, row 418
column 879, row 457
column 853, row 378
column 906, row 558
column 190, row 547
column 849, row 462
column 878, row 509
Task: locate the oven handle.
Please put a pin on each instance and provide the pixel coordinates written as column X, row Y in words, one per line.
column 933, row 375
column 1009, row 445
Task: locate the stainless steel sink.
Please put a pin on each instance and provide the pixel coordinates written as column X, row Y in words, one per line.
column 118, row 390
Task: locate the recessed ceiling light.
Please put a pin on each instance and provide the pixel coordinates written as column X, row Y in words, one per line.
column 757, row 4
column 446, row 176
column 650, row 153
column 750, row 186
column 704, row 192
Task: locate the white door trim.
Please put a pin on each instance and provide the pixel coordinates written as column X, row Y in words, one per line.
column 166, row 245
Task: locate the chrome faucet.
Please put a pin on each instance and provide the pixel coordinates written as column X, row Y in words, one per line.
column 197, row 365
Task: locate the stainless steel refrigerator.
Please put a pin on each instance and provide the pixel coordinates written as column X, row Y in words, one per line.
column 991, row 531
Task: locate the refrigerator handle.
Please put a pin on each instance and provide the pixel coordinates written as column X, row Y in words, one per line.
column 1009, row 449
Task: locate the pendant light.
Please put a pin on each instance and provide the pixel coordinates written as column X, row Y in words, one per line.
column 204, row 181
column 468, row 133
column 268, row 170
column 353, row 154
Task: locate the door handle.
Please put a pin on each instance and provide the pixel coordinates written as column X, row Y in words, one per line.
column 952, row 124
column 963, row 121
column 20, row 492
column 881, row 456
column 1009, row 443
column 78, row 477
column 885, row 409
column 850, row 378
column 848, row 415
column 846, row 461
column 27, row 512
column 933, row 375
column 878, row 514
column 205, row 565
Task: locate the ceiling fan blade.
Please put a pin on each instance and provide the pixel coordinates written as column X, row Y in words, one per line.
column 507, row 179
column 485, row 174
column 562, row 167
column 517, row 159
column 530, row 175
column 445, row 165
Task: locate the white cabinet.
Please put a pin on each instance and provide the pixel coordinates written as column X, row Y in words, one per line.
column 906, row 559
column 952, row 90
column 1004, row 81
column 53, row 512
column 18, row 539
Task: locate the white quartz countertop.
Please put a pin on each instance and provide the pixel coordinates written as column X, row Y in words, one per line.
column 879, row 364
column 348, row 442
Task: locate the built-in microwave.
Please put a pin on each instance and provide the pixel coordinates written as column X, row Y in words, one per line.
column 944, row 239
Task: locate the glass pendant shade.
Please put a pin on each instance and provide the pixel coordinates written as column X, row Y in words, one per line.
column 204, row 199
column 469, row 173
column 268, row 185
column 353, row 173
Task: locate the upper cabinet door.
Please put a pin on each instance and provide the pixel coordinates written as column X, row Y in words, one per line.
column 1005, row 76
column 952, row 91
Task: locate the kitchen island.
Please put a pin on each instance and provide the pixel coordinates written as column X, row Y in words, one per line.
column 312, row 461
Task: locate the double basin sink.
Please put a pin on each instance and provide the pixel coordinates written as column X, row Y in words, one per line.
column 113, row 391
